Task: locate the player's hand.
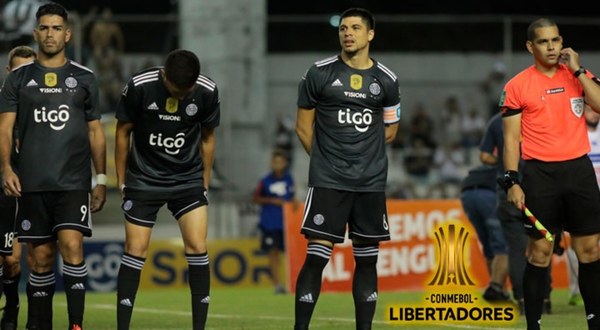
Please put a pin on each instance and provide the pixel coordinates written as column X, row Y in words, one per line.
column 11, row 183
column 516, row 196
column 98, row 198
column 570, row 57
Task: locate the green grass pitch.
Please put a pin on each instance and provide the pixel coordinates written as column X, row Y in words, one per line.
column 260, row 308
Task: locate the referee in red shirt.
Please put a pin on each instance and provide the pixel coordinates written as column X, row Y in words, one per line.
column 542, row 109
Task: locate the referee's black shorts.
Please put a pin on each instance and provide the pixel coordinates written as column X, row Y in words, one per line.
column 327, row 212
column 563, row 195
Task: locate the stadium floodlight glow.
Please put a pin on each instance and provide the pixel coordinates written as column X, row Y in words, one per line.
column 334, row 20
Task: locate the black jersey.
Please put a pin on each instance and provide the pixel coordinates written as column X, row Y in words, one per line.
column 53, row 106
column 166, row 134
column 352, row 107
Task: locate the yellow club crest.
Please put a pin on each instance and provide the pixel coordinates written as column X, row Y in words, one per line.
column 172, row 105
column 50, row 79
column 356, row 81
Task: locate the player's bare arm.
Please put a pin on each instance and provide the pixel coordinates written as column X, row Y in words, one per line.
column 98, row 149
column 10, row 181
column 122, row 144
column 390, row 132
column 305, row 120
column 207, row 152
column 512, row 154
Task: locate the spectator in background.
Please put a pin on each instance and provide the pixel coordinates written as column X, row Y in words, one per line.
column 107, row 44
column 478, row 199
column 274, row 190
column 492, row 88
column 451, row 121
column 418, row 162
column 284, row 137
column 448, row 161
column 422, row 126
column 472, row 127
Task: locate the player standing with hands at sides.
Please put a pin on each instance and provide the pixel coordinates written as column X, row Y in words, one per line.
column 10, row 248
column 164, row 153
column 544, row 105
column 53, row 104
column 348, row 109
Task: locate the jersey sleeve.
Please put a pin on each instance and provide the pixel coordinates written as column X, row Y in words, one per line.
column 91, row 104
column 391, row 102
column 9, row 95
column 309, row 88
column 510, row 101
column 212, row 109
column 128, row 103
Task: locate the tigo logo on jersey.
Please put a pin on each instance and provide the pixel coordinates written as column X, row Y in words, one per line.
column 361, row 120
column 171, row 145
column 57, row 118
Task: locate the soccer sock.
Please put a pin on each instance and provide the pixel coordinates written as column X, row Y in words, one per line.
column 11, row 290
column 40, row 291
column 589, row 287
column 308, row 285
column 128, row 282
column 364, row 284
column 199, row 279
column 533, row 292
column 74, row 280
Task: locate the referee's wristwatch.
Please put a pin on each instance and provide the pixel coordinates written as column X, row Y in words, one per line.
column 579, row 71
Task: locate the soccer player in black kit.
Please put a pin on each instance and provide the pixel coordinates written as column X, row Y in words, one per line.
column 348, row 109
column 164, row 154
column 10, row 248
column 53, row 104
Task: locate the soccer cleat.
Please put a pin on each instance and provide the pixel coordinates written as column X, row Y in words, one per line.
column 279, row 289
column 76, row 327
column 492, row 294
column 521, row 306
column 547, row 308
column 576, row 300
column 10, row 316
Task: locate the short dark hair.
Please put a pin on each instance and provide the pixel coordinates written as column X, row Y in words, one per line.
column 182, row 68
column 278, row 152
column 52, row 8
column 20, row 51
column 538, row 23
column 364, row 14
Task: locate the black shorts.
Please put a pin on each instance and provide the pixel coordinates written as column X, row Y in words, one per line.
column 140, row 207
column 562, row 196
column 328, row 211
column 42, row 214
column 271, row 240
column 8, row 217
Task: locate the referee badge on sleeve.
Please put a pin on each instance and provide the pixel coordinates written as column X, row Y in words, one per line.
column 577, row 106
